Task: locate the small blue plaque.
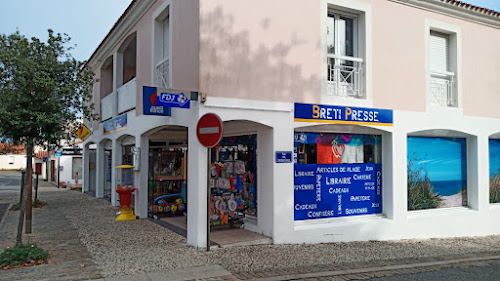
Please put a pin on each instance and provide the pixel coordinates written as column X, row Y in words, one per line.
column 283, row 157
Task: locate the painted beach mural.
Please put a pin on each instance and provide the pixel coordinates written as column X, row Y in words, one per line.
column 494, row 145
column 437, row 172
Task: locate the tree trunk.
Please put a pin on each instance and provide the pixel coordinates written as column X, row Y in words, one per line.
column 29, row 202
column 22, row 204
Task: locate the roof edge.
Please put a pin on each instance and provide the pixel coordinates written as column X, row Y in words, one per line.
column 127, row 20
column 457, row 9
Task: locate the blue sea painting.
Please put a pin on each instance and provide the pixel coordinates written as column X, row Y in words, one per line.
column 494, row 151
column 442, row 163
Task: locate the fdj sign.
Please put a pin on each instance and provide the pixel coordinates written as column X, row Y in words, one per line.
column 342, row 114
column 173, row 100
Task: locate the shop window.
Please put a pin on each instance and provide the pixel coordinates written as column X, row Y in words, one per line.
column 233, row 180
column 437, row 172
column 167, row 185
column 494, row 146
column 76, row 168
column 337, row 175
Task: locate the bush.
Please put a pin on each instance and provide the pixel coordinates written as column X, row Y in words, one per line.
column 21, row 255
column 36, row 204
column 495, row 189
column 420, row 195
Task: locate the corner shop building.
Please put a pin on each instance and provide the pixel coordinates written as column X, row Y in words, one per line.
column 255, row 82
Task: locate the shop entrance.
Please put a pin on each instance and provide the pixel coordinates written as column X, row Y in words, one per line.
column 233, row 184
column 167, row 177
column 92, row 160
column 107, row 174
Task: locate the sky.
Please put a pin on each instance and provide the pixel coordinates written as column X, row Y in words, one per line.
column 443, row 158
column 86, row 21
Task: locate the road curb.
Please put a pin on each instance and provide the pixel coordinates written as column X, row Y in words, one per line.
column 375, row 269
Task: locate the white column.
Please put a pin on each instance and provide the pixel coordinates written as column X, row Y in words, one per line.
column 394, row 177
column 141, row 178
column 116, row 175
column 197, row 190
column 478, row 172
column 280, row 139
column 117, row 79
column 85, row 169
column 100, row 169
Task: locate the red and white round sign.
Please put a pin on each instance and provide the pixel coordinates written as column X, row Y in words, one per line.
column 209, row 130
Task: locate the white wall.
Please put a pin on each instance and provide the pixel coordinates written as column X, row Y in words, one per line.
column 19, row 162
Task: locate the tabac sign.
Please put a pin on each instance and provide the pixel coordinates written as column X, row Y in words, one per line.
column 342, row 114
column 83, row 132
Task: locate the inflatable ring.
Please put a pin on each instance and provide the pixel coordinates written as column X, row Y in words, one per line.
column 231, row 205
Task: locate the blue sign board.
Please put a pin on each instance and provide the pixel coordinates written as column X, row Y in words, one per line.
column 44, row 159
column 283, row 157
column 342, row 114
column 116, row 124
column 173, row 100
column 150, row 105
column 325, row 191
column 58, row 154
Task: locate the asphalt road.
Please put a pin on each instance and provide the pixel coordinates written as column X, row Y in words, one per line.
column 10, row 183
column 489, row 272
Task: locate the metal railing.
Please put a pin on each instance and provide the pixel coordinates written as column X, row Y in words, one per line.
column 442, row 89
column 163, row 74
column 344, row 76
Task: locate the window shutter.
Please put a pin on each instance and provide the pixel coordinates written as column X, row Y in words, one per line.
column 439, row 52
column 166, row 37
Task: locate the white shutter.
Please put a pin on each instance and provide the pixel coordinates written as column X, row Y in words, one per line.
column 439, row 52
column 166, row 37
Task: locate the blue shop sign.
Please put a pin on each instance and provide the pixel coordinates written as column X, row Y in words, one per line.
column 325, row 191
column 173, row 100
column 150, row 104
column 342, row 114
column 116, row 124
column 283, row 157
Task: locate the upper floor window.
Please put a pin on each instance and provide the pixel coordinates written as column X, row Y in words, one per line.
column 344, row 62
column 442, row 72
column 162, row 46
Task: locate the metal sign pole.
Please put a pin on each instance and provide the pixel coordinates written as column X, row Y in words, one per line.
column 209, row 156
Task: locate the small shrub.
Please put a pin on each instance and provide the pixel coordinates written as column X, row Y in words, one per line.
column 420, row 195
column 36, row 204
column 24, row 254
column 495, row 189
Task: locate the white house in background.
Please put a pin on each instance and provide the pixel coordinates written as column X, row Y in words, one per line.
column 343, row 120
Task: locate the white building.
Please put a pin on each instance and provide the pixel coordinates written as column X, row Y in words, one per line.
column 340, row 117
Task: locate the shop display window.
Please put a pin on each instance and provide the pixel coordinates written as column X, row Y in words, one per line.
column 167, row 191
column 337, row 174
column 437, row 172
column 494, row 151
column 233, row 180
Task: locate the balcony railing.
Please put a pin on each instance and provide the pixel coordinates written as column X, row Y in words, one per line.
column 127, row 96
column 344, row 76
column 163, row 74
column 442, row 89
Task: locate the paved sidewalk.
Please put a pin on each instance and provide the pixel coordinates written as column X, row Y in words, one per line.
column 85, row 242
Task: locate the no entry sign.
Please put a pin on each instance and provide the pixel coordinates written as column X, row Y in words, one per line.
column 209, row 130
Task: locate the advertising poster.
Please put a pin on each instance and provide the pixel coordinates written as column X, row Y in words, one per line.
column 115, row 125
column 437, row 172
column 494, row 145
column 337, row 175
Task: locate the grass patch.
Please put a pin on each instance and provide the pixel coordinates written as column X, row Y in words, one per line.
column 420, row 195
column 36, row 204
column 24, row 255
column 495, row 189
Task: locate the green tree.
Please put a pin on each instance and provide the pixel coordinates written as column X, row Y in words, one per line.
column 44, row 94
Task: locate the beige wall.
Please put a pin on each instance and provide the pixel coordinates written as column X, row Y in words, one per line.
column 270, row 50
column 263, row 50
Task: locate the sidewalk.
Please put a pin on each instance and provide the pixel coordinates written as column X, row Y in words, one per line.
column 85, row 242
